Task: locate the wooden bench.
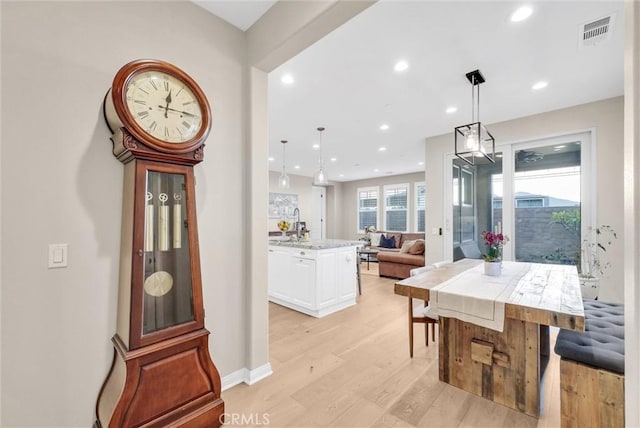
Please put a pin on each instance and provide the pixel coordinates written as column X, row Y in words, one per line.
column 592, row 368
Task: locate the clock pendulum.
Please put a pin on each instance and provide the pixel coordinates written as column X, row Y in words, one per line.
column 162, row 374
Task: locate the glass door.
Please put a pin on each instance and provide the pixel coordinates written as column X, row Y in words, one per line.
column 540, row 193
column 547, row 203
column 464, row 208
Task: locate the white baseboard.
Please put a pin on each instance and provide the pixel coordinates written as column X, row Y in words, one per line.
column 247, row 376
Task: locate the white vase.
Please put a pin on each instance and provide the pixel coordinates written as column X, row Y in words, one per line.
column 590, row 287
column 493, row 268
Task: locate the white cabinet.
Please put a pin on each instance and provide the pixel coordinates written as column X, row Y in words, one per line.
column 347, row 271
column 327, row 294
column 316, row 282
column 279, row 260
column 302, row 279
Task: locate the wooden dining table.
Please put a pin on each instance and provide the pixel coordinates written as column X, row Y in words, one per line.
column 505, row 367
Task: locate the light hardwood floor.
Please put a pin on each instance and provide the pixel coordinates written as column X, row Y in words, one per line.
column 352, row 369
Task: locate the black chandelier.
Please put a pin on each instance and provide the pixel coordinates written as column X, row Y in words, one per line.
column 474, row 144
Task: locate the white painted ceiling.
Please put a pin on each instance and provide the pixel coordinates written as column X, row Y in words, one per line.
column 240, row 13
column 346, row 81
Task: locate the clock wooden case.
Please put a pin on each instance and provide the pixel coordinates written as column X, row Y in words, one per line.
column 162, row 374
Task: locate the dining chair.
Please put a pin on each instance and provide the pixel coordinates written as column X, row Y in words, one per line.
column 420, row 312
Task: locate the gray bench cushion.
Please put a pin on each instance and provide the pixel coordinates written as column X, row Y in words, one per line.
column 602, row 343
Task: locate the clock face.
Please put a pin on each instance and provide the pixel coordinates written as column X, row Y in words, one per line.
column 163, row 106
column 158, row 284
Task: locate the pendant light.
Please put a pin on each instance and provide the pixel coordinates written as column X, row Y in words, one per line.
column 320, row 177
column 474, row 144
column 283, row 181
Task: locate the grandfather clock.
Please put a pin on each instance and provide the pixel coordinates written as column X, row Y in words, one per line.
column 162, row 374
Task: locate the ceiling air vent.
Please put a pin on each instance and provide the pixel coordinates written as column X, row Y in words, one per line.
column 595, row 32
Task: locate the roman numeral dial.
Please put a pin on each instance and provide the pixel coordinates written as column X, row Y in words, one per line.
column 163, row 106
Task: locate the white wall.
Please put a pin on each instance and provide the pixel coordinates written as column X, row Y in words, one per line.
column 302, row 186
column 632, row 211
column 606, row 117
column 61, row 184
column 299, row 185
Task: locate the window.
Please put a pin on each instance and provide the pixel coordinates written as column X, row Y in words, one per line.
column 420, row 206
column 396, row 207
column 367, row 208
column 541, row 195
column 529, row 203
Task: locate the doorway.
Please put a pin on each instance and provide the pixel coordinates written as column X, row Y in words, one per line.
column 318, row 212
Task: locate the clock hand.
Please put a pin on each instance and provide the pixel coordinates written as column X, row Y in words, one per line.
column 166, row 109
column 186, row 113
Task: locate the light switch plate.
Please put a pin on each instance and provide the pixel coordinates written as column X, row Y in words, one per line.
column 58, row 255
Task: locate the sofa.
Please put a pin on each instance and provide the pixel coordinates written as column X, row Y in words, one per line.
column 396, row 262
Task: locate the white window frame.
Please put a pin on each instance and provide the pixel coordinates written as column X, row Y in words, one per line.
column 416, row 186
column 388, row 187
column 588, row 197
column 367, row 189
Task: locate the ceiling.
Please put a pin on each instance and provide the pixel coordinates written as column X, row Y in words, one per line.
column 240, row 13
column 346, row 81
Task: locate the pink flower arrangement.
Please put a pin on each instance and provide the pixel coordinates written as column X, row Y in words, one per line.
column 494, row 243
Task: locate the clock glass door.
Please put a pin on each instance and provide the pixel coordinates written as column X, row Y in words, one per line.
column 168, row 296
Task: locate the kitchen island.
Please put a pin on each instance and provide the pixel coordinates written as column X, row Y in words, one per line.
column 316, row 277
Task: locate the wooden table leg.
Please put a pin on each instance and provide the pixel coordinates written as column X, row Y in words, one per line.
column 501, row 366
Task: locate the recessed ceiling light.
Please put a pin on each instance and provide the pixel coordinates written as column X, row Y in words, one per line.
column 401, row 65
column 420, row 163
column 384, row 127
column 297, row 167
column 287, row 79
column 521, row 14
column 333, row 159
column 451, row 109
column 376, row 170
column 341, row 175
column 382, row 149
column 539, row 85
column 316, row 146
column 271, row 159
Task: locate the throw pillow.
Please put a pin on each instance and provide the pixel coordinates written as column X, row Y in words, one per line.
column 406, row 245
column 375, row 239
column 396, row 235
column 417, row 248
column 387, row 242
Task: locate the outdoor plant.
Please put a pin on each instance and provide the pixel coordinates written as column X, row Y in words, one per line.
column 569, row 220
column 596, row 242
column 494, row 243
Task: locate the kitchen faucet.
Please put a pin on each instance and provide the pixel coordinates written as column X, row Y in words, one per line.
column 296, row 212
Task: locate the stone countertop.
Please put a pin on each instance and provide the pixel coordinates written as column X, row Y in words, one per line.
column 315, row 244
